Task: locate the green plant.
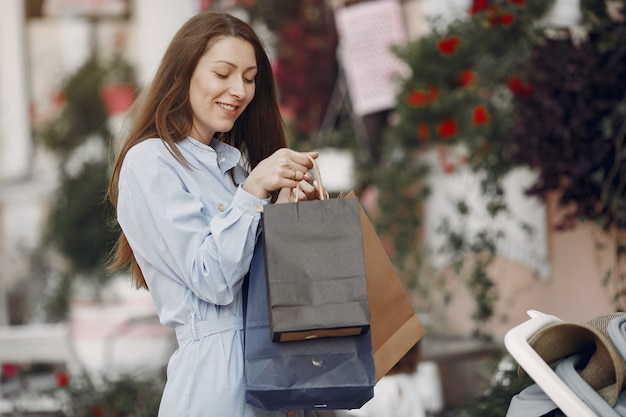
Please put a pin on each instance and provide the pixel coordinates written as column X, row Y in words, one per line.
column 82, row 113
column 79, row 220
column 79, row 136
column 125, row 396
column 494, row 402
column 513, row 94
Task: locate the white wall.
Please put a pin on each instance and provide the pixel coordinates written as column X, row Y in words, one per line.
column 156, row 22
column 15, row 140
column 15, row 143
column 34, row 59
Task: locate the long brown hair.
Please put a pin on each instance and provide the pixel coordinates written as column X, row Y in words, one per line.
column 163, row 110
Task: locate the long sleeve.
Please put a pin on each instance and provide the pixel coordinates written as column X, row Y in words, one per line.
column 190, row 228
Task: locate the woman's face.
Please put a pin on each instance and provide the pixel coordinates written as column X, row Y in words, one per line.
column 221, row 86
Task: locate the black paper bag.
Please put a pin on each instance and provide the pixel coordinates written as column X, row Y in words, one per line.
column 315, row 269
column 319, row 374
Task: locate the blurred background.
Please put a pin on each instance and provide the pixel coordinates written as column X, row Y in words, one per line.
column 485, row 139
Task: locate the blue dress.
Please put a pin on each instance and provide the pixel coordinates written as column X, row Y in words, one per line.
column 193, row 230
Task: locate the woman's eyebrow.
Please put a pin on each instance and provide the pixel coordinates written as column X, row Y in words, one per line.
column 233, row 65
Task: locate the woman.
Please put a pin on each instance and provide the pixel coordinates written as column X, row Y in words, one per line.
column 205, row 153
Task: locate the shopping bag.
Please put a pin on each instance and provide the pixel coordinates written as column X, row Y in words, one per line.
column 315, row 268
column 395, row 327
column 319, row 374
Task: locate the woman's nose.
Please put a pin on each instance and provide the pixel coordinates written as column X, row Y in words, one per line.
column 237, row 88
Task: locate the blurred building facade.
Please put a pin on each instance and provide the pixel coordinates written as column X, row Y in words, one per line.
column 36, row 52
column 41, row 43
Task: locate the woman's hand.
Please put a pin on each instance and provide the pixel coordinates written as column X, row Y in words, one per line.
column 305, row 191
column 285, row 168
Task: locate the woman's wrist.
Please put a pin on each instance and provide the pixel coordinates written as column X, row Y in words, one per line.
column 254, row 189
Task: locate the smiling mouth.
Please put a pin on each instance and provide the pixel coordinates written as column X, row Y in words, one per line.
column 228, row 107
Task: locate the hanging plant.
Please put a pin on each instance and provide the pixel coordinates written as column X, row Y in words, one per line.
column 457, row 93
column 81, row 111
column 571, row 125
column 514, row 96
column 78, row 222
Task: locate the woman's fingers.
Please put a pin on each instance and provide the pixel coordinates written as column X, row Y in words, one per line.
column 284, row 195
column 285, row 168
column 307, row 190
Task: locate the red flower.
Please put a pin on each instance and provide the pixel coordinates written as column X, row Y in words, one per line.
column 493, row 15
column 59, row 99
column 518, row 88
column 478, row 5
column 417, row 98
column 447, row 129
column 447, row 167
column 9, row 370
column 62, row 379
column 506, row 19
column 518, row 2
column 448, row 45
column 480, row 116
column 433, row 93
column 467, row 78
column 422, row 132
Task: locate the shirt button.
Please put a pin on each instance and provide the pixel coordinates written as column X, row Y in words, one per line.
column 259, row 209
column 220, row 207
column 291, row 413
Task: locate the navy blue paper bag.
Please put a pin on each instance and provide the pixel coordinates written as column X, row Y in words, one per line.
column 327, row 373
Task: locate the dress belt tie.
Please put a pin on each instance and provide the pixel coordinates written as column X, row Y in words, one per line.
column 196, row 330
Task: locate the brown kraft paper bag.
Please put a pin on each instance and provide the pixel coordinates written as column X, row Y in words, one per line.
column 394, row 325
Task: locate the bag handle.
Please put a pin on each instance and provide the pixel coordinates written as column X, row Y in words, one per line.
column 322, row 193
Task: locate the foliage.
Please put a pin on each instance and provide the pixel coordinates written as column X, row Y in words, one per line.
column 461, row 94
column 577, row 145
column 79, row 137
column 125, row 396
column 82, row 114
column 306, row 68
column 305, row 64
column 514, row 94
column 78, row 222
column 495, row 401
column 482, row 250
